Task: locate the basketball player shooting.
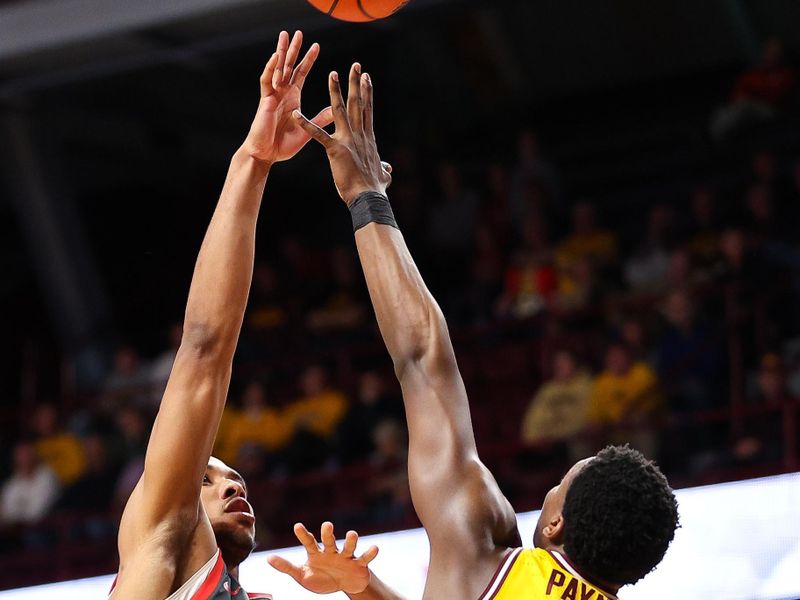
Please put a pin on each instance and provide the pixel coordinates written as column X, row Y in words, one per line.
column 188, row 524
column 606, row 524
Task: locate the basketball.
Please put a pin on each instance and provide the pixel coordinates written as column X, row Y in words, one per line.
column 359, row 11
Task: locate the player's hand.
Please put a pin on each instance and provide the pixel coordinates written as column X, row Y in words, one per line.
column 274, row 135
column 328, row 570
column 352, row 150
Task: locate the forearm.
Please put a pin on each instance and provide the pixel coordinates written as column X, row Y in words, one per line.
column 409, row 319
column 224, row 267
column 377, row 590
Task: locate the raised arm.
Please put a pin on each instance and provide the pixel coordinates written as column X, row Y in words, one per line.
column 168, row 493
column 455, row 496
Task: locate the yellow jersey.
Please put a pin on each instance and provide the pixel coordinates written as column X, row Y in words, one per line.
column 536, row 574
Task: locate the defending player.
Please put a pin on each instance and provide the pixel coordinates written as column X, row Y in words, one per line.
column 188, row 525
column 610, row 520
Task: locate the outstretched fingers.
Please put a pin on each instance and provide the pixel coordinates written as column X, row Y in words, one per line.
column 366, row 97
column 355, row 106
column 267, row 89
column 284, row 566
column 337, row 104
column 328, row 537
column 291, row 56
column 316, row 132
column 368, row 556
column 301, row 71
column 281, row 51
column 306, row 538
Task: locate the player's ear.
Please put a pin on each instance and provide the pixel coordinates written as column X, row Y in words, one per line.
column 554, row 530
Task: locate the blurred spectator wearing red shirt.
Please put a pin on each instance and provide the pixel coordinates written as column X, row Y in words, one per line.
column 760, row 94
column 530, row 280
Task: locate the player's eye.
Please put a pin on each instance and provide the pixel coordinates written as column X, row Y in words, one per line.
column 206, row 479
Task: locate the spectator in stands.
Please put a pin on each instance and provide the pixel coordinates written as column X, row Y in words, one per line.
column 704, row 228
column 267, row 308
column 257, row 428
column 560, row 408
column 534, row 181
column 161, row 367
column 530, row 280
column 486, row 281
column 133, row 430
column 689, row 357
column 626, row 391
column 761, row 440
column 372, row 405
column 343, row 306
column 760, row 94
column 764, row 225
column 32, row 489
column 58, row 448
column 128, row 382
column 94, row 490
column 578, row 286
column 408, row 205
column 636, row 336
column 314, row 417
column 586, row 241
column 388, row 495
column 682, row 273
column 496, row 211
column 451, row 223
column 646, row 268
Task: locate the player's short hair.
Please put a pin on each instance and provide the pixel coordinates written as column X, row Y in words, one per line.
column 620, row 516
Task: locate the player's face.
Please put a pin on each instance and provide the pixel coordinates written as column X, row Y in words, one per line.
column 224, row 498
column 550, row 522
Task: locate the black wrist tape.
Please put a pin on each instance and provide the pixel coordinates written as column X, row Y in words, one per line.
column 371, row 207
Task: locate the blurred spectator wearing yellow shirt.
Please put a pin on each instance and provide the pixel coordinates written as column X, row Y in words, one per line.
column 257, row 424
column 315, row 418
column 587, row 240
column 59, row 449
column 626, row 391
column 559, row 410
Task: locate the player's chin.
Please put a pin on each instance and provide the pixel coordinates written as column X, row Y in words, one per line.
column 236, row 524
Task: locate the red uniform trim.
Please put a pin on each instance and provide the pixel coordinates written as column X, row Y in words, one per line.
column 212, row 580
column 505, row 575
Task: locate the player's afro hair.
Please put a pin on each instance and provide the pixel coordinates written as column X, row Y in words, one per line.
column 620, row 516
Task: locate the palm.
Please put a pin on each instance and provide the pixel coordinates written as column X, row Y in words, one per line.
column 274, row 135
column 330, row 569
column 326, row 573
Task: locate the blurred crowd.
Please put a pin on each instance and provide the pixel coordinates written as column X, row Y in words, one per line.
column 663, row 310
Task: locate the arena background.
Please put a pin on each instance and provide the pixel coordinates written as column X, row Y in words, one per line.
column 521, row 132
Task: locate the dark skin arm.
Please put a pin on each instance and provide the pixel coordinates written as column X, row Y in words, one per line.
column 455, row 496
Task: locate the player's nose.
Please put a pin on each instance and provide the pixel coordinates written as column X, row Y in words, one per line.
column 232, row 489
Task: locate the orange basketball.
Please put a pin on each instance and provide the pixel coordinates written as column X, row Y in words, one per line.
column 359, row 11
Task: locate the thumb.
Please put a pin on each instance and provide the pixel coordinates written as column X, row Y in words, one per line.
column 284, row 566
column 324, row 118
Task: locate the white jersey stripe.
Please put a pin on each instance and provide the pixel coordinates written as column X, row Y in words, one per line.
column 500, row 577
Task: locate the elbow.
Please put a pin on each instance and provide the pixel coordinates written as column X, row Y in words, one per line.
column 201, row 340
column 432, row 359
